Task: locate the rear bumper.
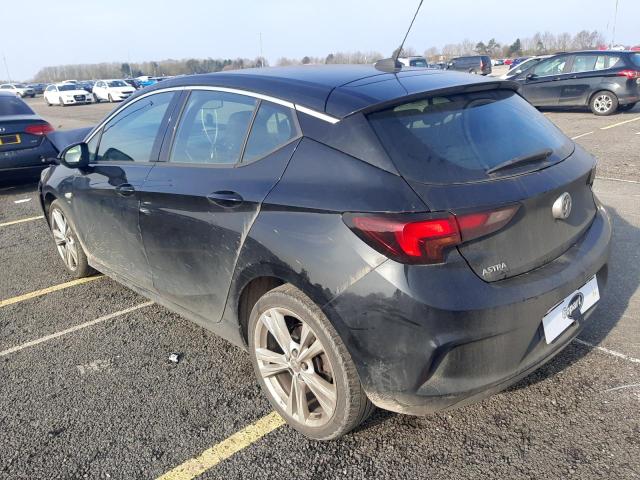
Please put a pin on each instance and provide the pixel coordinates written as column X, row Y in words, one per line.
column 429, row 338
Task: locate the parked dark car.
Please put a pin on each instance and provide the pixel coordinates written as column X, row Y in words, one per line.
column 369, row 241
column 604, row 81
column 86, row 85
column 517, row 61
column 477, row 64
column 38, row 88
column 133, row 82
column 24, row 149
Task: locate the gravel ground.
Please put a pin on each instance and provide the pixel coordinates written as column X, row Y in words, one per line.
column 105, row 402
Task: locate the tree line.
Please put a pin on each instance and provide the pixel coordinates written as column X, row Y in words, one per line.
column 538, row 44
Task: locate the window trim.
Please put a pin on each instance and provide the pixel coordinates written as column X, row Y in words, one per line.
column 294, row 106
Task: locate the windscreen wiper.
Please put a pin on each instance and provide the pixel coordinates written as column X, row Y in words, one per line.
column 535, row 157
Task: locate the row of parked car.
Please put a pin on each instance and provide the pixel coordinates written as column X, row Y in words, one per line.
column 72, row 92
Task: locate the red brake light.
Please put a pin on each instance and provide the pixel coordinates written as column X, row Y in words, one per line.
column 630, row 74
column 409, row 239
column 39, row 129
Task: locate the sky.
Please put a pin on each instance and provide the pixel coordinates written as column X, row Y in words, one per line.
column 70, row 31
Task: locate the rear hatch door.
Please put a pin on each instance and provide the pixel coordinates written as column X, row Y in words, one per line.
column 455, row 151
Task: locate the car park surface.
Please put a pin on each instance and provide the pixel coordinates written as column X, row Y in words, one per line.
column 106, row 400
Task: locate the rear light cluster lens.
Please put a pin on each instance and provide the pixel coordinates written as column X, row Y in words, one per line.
column 424, row 239
column 630, row 74
column 39, row 129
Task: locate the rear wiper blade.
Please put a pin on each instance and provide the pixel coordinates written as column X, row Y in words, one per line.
column 535, row 157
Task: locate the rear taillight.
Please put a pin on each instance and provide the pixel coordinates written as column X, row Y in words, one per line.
column 630, row 74
column 424, row 238
column 39, row 129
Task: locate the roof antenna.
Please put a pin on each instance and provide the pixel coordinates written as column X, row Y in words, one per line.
column 392, row 64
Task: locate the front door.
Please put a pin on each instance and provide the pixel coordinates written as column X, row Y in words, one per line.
column 105, row 198
column 542, row 84
column 198, row 206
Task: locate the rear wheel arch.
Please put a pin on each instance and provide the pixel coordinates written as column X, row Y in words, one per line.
column 249, row 296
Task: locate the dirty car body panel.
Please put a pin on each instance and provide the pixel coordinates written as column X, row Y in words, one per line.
column 303, row 195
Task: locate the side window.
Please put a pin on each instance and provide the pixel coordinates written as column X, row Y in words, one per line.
column 553, row 66
column 131, row 134
column 213, row 128
column 584, row 63
column 273, row 127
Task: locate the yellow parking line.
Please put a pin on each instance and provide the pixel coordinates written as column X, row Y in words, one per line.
column 619, row 123
column 22, row 220
column 225, row 449
column 44, row 291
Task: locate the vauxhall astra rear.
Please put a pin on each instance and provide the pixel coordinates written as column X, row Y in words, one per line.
column 412, row 240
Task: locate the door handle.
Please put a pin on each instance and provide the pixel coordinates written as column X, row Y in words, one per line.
column 125, row 189
column 225, row 198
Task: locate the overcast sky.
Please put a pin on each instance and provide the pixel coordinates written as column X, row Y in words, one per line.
column 64, row 31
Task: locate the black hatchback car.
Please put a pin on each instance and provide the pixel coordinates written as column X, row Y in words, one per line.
column 371, row 238
column 604, row 81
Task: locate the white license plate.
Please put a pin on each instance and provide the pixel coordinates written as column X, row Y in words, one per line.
column 558, row 319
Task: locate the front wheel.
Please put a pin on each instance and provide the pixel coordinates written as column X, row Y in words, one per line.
column 304, row 367
column 67, row 244
column 603, row 103
column 96, row 99
column 110, row 99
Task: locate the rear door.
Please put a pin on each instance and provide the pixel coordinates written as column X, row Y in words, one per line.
column 542, row 85
column 583, row 78
column 448, row 147
column 199, row 204
column 106, row 194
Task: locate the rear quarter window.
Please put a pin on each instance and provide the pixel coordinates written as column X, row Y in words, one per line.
column 457, row 138
column 635, row 59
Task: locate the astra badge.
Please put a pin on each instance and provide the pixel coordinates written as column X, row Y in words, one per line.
column 500, row 267
column 562, row 207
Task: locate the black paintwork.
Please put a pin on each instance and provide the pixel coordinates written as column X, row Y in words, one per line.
column 569, row 89
column 424, row 337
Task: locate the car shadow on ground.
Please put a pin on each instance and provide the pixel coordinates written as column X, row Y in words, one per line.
column 17, row 187
column 612, row 306
column 634, row 111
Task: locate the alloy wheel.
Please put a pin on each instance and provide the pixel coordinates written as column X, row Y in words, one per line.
column 295, row 367
column 603, row 103
column 65, row 241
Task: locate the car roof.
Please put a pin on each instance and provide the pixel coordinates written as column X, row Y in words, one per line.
column 337, row 90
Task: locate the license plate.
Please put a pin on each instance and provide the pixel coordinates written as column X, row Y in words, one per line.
column 9, row 139
column 558, row 319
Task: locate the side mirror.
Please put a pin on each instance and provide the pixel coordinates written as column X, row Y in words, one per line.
column 75, row 156
column 531, row 76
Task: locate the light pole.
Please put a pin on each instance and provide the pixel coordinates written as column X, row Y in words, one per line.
column 6, row 67
column 613, row 33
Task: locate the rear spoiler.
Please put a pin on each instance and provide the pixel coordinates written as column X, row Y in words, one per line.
column 468, row 88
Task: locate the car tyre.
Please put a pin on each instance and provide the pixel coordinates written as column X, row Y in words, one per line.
column 61, row 102
column 95, row 98
column 67, row 244
column 33, row 96
column 627, row 107
column 473, row 72
column 603, row 103
column 110, row 99
column 46, row 100
column 312, row 382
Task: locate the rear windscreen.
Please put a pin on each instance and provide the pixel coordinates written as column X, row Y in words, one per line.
column 457, row 138
column 10, row 105
column 635, row 58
